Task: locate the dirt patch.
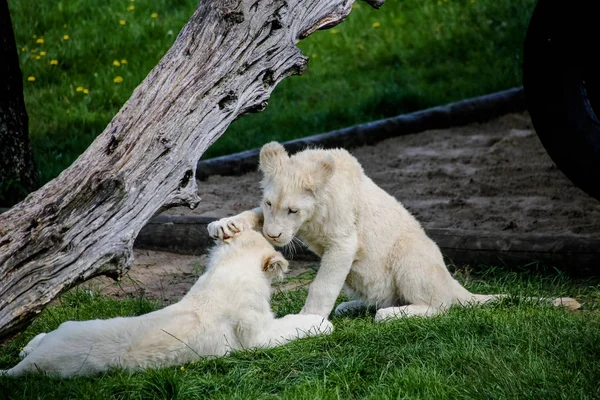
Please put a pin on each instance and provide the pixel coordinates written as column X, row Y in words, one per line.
column 494, row 176
column 167, row 277
column 157, row 275
column 490, row 177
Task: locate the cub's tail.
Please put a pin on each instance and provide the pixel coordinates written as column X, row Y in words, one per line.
column 566, row 302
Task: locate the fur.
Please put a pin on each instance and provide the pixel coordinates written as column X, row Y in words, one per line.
column 368, row 242
column 227, row 309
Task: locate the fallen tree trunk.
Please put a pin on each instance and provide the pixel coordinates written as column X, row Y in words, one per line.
column 225, row 63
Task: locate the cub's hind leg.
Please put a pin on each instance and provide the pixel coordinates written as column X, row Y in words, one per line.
column 411, row 310
column 423, row 285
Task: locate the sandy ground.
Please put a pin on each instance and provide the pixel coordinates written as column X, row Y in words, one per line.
column 167, row 277
column 481, row 177
column 492, row 177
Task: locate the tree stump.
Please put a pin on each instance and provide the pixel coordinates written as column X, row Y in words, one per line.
column 224, row 63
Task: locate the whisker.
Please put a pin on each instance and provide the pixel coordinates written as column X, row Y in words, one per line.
column 298, row 245
column 300, row 242
column 291, row 249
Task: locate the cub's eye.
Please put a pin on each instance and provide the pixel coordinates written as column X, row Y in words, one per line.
column 292, row 211
column 268, row 203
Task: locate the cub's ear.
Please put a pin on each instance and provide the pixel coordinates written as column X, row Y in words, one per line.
column 272, row 158
column 320, row 173
column 275, row 265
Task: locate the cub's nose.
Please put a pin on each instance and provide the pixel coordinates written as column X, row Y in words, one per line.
column 272, row 236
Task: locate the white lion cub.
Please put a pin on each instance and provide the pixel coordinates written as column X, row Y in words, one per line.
column 368, row 242
column 227, row 309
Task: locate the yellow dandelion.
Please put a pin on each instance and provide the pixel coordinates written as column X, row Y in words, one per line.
column 334, row 31
column 118, row 79
column 154, row 15
column 116, row 63
column 376, row 24
column 130, row 8
column 79, row 89
column 42, row 53
column 37, row 57
column 123, row 61
column 122, row 22
column 31, row 79
column 182, row 368
column 40, row 41
column 23, row 49
column 85, row 91
column 54, row 62
column 66, row 37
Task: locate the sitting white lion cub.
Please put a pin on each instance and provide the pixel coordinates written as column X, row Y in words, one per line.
column 227, row 309
column 366, row 239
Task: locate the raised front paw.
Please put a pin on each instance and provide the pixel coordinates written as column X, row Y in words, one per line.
column 226, row 228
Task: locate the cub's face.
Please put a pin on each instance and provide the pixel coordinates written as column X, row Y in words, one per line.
column 251, row 244
column 285, row 212
column 289, row 189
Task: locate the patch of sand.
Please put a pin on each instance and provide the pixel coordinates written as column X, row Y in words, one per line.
column 493, row 176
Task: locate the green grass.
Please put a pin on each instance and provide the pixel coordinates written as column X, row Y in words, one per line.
column 513, row 349
column 409, row 55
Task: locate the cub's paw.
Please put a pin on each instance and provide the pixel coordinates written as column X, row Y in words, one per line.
column 324, row 327
column 226, row 228
column 31, row 346
column 318, row 325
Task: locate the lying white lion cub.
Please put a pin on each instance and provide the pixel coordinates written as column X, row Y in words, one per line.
column 227, row 309
column 365, row 237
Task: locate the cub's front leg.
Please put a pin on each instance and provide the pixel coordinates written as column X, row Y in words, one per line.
column 336, row 263
column 283, row 330
column 226, row 228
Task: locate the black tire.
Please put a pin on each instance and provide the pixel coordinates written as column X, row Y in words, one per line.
column 561, row 80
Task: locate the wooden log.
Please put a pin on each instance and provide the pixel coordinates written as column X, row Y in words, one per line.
column 224, row 63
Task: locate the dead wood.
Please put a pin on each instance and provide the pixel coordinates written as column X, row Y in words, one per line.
column 225, row 62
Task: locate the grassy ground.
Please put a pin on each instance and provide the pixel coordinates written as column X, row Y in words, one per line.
column 513, row 349
column 82, row 59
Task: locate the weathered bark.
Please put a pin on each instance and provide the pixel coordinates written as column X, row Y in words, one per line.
column 18, row 174
column 225, row 63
